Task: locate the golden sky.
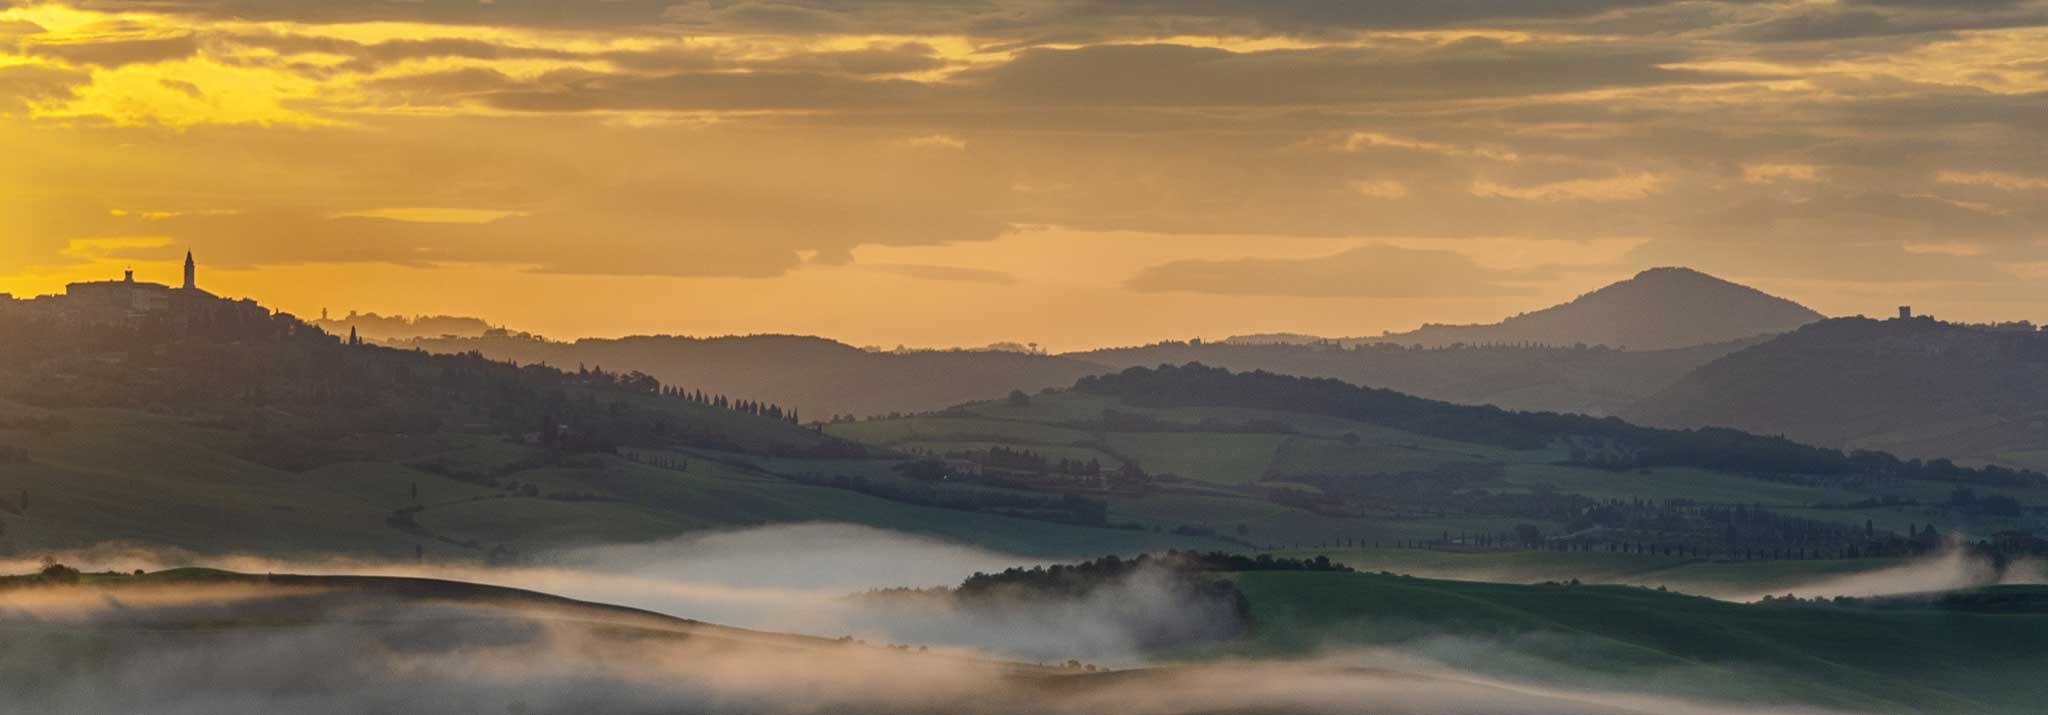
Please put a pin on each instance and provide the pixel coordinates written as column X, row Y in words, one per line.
column 1071, row 172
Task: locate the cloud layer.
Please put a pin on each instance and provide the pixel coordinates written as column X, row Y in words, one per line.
column 1799, row 141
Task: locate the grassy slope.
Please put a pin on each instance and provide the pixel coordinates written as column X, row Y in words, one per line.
column 157, row 481
column 1229, row 459
column 1891, row 660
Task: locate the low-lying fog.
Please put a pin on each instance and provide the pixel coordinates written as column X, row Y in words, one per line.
column 166, row 649
column 1952, row 568
column 788, row 579
column 799, row 579
column 381, row 657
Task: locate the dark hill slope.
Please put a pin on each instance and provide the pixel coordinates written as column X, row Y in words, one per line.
column 267, row 436
column 817, row 376
column 1918, row 387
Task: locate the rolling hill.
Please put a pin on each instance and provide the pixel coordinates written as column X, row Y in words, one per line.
column 1280, row 461
column 1918, row 387
column 277, row 438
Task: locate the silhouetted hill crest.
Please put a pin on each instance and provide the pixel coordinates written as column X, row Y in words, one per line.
column 1658, row 309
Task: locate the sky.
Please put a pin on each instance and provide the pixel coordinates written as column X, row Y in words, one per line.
column 1075, row 173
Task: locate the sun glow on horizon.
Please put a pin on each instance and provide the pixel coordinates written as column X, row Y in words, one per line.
column 743, row 165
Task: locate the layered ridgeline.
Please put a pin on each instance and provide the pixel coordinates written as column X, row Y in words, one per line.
column 1597, row 355
column 817, row 376
column 1658, row 309
column 262, row 433
column 1916, row 386
column 1594, row 355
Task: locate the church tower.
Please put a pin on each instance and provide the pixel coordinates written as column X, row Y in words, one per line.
column 191, row 273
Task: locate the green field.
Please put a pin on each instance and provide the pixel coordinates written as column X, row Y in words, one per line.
column 1906, row 659
column 1312, row 456
column 1229, row 459
column 954, row 428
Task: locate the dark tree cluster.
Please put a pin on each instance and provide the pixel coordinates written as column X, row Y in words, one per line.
column 1074, row 580
column 1025, row 461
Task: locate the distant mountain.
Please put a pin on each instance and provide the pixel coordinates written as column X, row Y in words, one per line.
column 1917, row 387
column 1594, row 381
column 819, row 377
column 1658, row 309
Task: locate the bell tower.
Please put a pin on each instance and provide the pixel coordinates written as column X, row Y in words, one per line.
column 191, row 273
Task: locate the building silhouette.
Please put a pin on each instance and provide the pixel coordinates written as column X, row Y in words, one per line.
column 129, row 301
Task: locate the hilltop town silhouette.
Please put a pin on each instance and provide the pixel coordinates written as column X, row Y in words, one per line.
column 128, row 301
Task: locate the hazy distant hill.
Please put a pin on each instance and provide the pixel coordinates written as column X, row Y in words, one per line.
column 819, row 377
column 382, row 328
column 1658, row 309
column 1918, row 387
column 1592, row 381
